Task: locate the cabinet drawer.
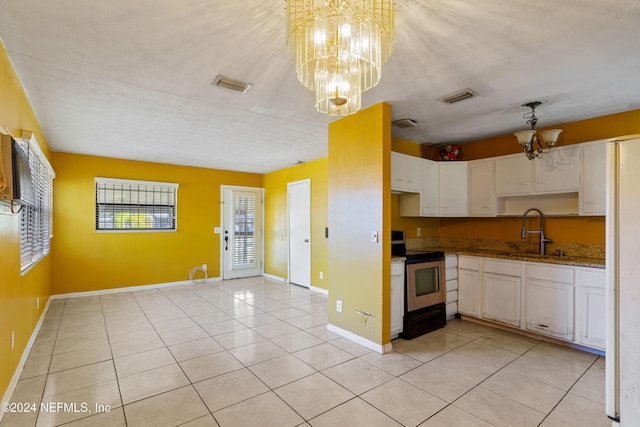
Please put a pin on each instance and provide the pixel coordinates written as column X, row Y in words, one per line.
column 469, row 263
column 550, row 272
column 397, row 268
column 451, row 261
column 451, row 285
column 592, row 277
column 451, row 273
column 508, row 268
column 452, row 296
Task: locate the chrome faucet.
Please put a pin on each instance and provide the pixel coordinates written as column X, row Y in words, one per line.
column 524, row 232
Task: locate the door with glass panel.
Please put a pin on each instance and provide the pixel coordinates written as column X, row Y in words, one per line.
column 241, row 236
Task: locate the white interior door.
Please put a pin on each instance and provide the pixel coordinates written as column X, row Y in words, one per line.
column 299, row 208
column 241, row 232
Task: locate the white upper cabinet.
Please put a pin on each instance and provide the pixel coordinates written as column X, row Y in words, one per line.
column 413, row 174
column 406, row 173
column 482, row 198
column 429, row 193
column 452, row 189
column 558, row 170
column 398, row 163
column 593, row 196
column 514, row 175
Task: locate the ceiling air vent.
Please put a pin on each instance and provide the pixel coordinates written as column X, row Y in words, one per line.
column 231, row 84
column 458, row 96
column 404, row 123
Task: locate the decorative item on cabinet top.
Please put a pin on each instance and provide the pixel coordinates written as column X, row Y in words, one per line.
column 450, row 152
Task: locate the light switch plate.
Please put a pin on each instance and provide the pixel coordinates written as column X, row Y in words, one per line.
column 374, row 236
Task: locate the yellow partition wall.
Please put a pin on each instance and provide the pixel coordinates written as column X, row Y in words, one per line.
column 275, row 235
column 86, row 260
column 18, row 292
column 359, row 203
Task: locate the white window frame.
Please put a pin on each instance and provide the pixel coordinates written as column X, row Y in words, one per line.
column 36, row 222
column 117, row 181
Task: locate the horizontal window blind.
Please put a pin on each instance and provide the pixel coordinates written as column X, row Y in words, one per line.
column 124, row 205
column 36, row 222
column 244, row 245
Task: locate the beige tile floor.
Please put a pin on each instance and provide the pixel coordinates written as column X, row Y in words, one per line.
column 256, row 352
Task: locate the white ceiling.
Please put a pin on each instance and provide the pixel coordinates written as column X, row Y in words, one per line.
column 132, row 79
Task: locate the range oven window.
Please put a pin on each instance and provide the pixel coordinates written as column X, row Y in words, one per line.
column 425, row 284
column 427, row 281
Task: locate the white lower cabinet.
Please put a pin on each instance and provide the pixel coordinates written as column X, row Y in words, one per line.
column 550, row 308
column 501, row 298
column 397, row 297
column 592, row 307
column 469, row 285
column 560, row 301
column 451, row 275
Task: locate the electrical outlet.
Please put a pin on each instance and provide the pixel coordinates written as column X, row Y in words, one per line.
column 37, row 303
column 374, row 236
column 321, row 275
column 339, row 306
column 204, row 267
column 419, row 231
column 13, row 339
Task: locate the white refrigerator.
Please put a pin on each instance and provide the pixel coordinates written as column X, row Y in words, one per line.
column 623, row 281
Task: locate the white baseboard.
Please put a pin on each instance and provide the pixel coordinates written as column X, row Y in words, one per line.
column 25, row 354
column 382, row 349
column 319, row 290
column 272, row 277
column 132, row 288
column 282, row 279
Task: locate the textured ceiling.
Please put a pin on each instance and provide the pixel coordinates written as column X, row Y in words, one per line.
column 132, row 79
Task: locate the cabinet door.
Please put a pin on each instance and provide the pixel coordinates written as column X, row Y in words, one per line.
column 593, row 198
column 452, row 189
column 550, row 308
column 593, row 316
column 501, row 298
column 468, row 292
column 482, row 198
column 398, row 164
column 429, row 193
column 397, row 297
column 413, row 174
column 559, row 170
column 514, row 175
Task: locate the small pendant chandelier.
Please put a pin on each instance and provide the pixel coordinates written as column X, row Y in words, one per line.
column 530, row 141
column 338, row 48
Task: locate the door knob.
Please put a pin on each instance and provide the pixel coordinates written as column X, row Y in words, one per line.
column 306, row 240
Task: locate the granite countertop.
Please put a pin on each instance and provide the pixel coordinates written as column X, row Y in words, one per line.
column 548, row 259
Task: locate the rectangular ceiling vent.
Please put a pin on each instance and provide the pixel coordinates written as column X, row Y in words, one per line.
column 231, row 84
column 458, row 96
column 404, row 123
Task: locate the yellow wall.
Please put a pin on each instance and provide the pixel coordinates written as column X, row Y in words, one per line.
column 18, row 293
column 85, row 260
column 359, row 202
column 275, row 238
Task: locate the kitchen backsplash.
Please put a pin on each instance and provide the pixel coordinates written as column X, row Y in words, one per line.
column 509, row 246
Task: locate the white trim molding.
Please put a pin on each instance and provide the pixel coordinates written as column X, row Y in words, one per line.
column 378, row 348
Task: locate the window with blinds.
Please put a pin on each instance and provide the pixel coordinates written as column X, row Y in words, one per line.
column 36, row 223
column 124, row 205
column 244, row 252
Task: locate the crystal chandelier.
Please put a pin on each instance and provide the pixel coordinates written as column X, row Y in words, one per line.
column 338, row 48
column 530, row 141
